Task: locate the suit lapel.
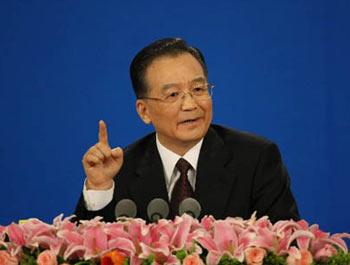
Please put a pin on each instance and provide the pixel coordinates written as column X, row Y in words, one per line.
column 214, row 182
column 150, row 181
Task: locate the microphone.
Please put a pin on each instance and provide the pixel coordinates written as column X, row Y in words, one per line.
column 157, row 209
column 191, row 207
column 125, row 208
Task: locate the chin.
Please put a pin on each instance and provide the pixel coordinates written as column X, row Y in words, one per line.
column 191, row 136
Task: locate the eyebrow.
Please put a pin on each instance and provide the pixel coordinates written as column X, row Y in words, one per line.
column 170, row 85
column 198, row 79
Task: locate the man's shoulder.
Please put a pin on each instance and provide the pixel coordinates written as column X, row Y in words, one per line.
column 139, row 146
column 137, row 151
column 243, row 145
column 232, row 136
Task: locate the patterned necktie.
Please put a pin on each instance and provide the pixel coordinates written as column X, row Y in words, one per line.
column 182, row 188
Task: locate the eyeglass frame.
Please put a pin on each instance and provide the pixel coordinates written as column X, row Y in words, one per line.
column 209, row 88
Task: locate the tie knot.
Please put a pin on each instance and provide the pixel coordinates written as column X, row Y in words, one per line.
column 183, row 166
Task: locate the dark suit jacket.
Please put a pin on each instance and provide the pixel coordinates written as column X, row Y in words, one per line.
column 237, row 173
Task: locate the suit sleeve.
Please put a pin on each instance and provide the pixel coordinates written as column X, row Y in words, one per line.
column 272, row 195
column 107, row 212
column 82, row 213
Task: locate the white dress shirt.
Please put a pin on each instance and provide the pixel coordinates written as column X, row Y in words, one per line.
column 169, row 160
column 97, row 199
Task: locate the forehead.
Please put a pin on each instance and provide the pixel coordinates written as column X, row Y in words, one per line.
column 182, row 68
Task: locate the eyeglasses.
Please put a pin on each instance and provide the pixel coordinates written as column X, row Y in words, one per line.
column 197, row 92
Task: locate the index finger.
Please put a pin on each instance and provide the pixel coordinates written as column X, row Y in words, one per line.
column 102, row 132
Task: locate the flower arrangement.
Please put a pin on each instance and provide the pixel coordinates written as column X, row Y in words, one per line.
column 184, row 240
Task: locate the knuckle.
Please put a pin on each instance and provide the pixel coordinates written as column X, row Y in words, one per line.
column 100, row 155
column 104, row 149
column 92, row 149
column 108, row 152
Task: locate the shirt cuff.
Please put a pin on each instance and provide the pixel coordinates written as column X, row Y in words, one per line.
column 97, row 199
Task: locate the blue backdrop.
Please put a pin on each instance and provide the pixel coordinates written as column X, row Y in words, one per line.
column 281, row 70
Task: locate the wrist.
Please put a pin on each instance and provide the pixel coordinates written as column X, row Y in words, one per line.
column 101, row 186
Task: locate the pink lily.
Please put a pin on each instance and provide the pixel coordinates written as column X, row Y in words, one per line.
column 207, row 222
column 61, row 223
column 224, row 240
column 299, row 257
column 95, row 241
column 325, row 252
column 16, row 234
column 2, row 236
column 74, row 244
column 183, row 226
column 283, row 231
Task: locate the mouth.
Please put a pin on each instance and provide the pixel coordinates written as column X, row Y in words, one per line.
column 189, row 121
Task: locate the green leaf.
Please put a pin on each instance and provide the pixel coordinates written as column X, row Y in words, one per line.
column 149, row 260
column 340, row 259
column 85, row 262
column 126, row 261
column 181, row 254
column 272, row 259
column 28, row 260
column 60, row 260
column 226, row 260
column 28, row 257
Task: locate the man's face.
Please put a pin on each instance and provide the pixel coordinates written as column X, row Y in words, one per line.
column 179, row 125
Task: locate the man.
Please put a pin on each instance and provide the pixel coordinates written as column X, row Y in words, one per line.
column 228, row 172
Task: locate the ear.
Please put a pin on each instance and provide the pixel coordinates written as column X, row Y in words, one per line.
column 142, row 110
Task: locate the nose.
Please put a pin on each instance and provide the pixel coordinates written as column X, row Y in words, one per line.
column 188, row 102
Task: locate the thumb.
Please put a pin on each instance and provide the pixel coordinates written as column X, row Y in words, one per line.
column 117, row 152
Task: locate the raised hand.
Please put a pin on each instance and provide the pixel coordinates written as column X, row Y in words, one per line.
column 101, row 163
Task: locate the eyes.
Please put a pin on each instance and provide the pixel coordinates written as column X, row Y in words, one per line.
column 195, row 91
column 200, row 89
column 173, row 94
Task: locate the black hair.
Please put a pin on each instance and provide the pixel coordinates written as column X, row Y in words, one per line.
column 159, row 48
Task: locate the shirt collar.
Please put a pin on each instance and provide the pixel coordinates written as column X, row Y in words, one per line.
column 169, row 158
